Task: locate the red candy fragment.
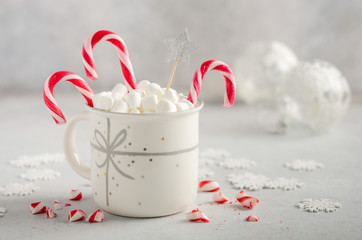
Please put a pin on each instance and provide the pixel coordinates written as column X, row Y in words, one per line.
column 67, row 205
column 50, row 213
column 76, row 215
column 219, row 197
column 208, row 186
column 75, row 195
column 37, row 208
column 252, row 218
column 246, row 201
column 197, row 216
column 56, row 205
column 97, row 216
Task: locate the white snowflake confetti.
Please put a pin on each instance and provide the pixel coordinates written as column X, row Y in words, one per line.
column 40, row 174
column 318, row 205
column 37, row 160
column 257, row 181
column 205, row 173
column 19, row 189
column 236, row 163
column 209, row 156
column 304, row 165
column 2, row 211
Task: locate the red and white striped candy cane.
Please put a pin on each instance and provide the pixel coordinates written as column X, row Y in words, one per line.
column 224, row 70
column 117, row 41
column 62, row 76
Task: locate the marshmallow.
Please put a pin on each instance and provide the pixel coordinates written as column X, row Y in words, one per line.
column 143, row 84
column 76, row 215
column 133, row 99
column 50, row 213
column 140, row 91
column 190, row 104
column 75, row 195
column 208, row 186
column 219, row 197
column 246, row 201
column 165, row 106
column 197, row 216
column 135, row 111
column 171, row 95
column 120, row 89
column 103, row 101
column 38, row 207
column 149, row 103
column 120, row 106
column 154, row 89
column 181, row 106
column 97, row 216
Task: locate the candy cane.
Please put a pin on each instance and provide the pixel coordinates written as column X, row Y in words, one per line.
column 199, row 76
column 117, row 41
column 62, row 76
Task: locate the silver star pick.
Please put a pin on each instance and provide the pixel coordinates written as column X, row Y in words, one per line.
column 180, row 48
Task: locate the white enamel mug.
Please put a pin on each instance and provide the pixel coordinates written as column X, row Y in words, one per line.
column 142, row 165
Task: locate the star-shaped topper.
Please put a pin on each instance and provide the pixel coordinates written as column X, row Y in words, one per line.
column 180, row 50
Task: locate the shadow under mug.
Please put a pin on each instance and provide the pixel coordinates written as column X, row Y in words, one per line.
column 142, row 165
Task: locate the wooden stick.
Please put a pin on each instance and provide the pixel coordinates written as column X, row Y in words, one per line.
column 171, row 76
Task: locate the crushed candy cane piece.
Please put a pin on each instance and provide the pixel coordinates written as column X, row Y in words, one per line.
column 37, row 208
column 76, row 215
column 50, row 213
column 97, row 216
column 67, row 205
column 252, row 218
column 219, row 197
column 208, row 186
column 75, row 195
column 197, row 216
column 246, row 201
column 56, row 205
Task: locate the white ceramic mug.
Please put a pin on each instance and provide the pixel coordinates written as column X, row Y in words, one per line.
column 142, row 165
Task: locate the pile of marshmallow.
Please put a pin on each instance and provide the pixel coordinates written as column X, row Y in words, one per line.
column 147, row 98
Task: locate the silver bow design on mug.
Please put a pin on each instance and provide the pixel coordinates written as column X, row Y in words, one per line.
column 108, row 147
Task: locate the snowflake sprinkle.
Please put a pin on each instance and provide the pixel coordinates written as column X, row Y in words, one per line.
column 209, row 156
column 236, row 163
column 318, row 205
column 205, row 173
column 2, row 211
column 40, row 174
column 37, row 160
column 304, row 165
column 257, row 181
column 19, row 189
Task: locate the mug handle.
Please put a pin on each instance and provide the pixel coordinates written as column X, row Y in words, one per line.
column 70, row 148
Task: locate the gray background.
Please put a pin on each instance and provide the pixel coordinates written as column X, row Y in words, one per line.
column 40, row 37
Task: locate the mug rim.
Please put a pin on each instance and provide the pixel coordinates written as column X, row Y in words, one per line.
column 197, row 108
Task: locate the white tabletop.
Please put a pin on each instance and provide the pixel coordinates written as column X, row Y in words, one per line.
column 27, row 128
